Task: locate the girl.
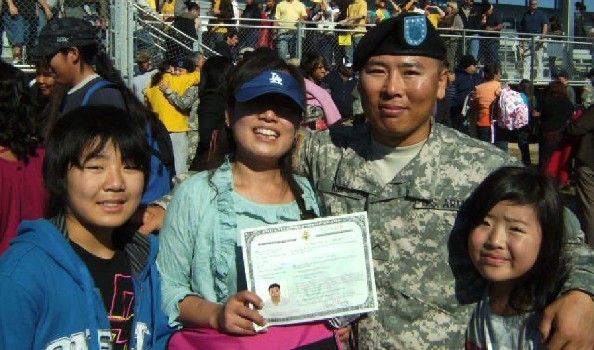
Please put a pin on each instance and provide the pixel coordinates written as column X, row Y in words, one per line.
column 321, row 110
column 203, row 276
column 482, row 99
column 22, row 196
column 81, row 279
column 515, row 226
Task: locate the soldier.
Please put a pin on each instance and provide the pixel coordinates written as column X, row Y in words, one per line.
column 411, row 175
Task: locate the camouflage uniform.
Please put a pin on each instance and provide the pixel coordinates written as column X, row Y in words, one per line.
column 188, row 102
column 426, row 287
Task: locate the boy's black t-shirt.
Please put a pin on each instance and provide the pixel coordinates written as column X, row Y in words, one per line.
column 106, row 96
column 113, row 278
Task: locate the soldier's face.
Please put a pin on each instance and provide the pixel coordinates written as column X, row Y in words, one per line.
column 398, row 94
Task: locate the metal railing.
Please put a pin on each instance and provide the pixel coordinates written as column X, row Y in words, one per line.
column 128, row 27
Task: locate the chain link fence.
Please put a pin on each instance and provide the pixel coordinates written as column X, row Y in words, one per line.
column 126, row 28
column 22, row 22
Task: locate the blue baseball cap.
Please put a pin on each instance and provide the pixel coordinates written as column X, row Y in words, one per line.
column 272, row 82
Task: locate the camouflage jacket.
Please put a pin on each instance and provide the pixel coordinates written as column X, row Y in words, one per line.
column 426, row 287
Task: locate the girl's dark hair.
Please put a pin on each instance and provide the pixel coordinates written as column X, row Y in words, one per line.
column 241, row 74
column 84, row 132
column 20, row 124
column 490, row 70
column 310, row 63
column 214, row 73
column 526, row 186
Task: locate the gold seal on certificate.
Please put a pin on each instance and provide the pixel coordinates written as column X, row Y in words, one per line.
column 311, row 270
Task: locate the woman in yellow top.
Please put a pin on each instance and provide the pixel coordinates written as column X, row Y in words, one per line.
column 483, row 97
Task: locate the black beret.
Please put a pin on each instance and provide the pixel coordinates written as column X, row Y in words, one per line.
column 408, row 34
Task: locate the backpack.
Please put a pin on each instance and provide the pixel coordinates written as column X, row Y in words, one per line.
column 511, row 112
column 156, row 130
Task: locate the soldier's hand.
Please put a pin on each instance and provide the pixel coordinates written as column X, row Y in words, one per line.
column 236, row 317
column 344, row 333
column 568, row 323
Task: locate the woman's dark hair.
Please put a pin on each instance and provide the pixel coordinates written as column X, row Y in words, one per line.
column 214, row 73
column 490, row 70
column 84, row 132
column 20, row 124
column 557, row 89
column 526, row 186
column 311, row 62
column 241, row 74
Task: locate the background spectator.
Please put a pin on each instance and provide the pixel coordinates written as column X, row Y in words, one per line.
column 452, row 21
column 467, row 77
column 288, row 12
column 250, row 35
column 563, row 76
column 534, row 21
column 526, row 133
column 226, row 48
column 555, row 49
column 489, row 46
column 355, row 16
column 211, row 110
column 341, row 82
column 583, row 130
column 472, row 15
column 482, row 99
column 22, row 194
column 20, row 24
column 555, row 111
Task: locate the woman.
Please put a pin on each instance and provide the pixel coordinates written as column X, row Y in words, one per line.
column 200, row 261
column 555, row 111
column 22, row 196
column 482, row 101
column 321, row 110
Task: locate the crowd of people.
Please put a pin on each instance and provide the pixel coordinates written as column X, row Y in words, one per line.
column 470, row 248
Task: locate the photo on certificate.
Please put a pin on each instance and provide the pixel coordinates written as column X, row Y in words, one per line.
column 312, row 269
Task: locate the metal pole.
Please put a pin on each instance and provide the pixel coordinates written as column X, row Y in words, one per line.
column 131, row 25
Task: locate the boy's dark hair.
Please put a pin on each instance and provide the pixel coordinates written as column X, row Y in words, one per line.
column 274, row 285
column 20, row 124
column 86, row 130
column 526, row 186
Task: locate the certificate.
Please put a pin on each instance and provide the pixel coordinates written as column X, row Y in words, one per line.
column 311, row 270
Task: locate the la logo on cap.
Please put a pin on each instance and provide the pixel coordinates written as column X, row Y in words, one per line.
column 275, row 79
column 62, row 39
